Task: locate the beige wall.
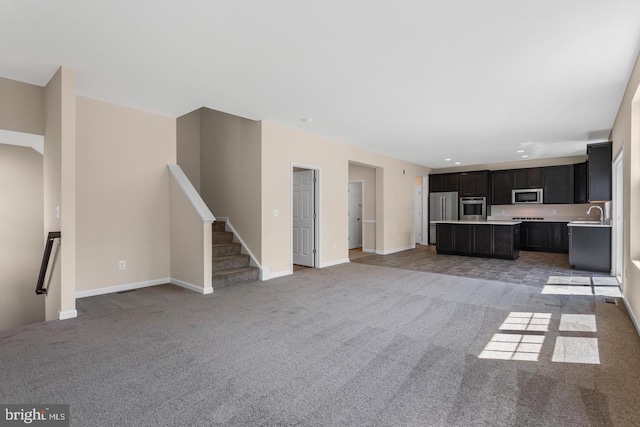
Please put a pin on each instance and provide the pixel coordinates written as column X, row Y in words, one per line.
column 283, row 147
column 59, row 189
column 517, row 165
column 21, row 107
column 123, row 210
column 230, row 173
column 188, row 146
column 21, row 229
column 395, row 183
column 626, row 136
column 368, row 176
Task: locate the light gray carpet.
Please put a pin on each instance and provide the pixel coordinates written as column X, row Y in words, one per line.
column 350, row 345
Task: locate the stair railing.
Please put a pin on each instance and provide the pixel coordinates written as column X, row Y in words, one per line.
column 54, row 236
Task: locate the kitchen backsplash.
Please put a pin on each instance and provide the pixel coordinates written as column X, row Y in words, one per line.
column 550, row 211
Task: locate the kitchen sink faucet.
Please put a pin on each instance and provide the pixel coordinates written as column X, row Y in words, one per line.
column 597, row 207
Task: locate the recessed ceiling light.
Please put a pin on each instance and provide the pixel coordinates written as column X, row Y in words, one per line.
column 307, row 120
column 456, row 163
column 520, row 151
column 525, row 156
column 447, row 160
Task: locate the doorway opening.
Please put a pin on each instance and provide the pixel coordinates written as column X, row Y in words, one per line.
column 364, row 184
column 304, row 218
column 356, row 213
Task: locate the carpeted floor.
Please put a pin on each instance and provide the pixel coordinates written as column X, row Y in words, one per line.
column 349, row 345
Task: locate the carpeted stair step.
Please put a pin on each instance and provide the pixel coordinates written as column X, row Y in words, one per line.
column 222, row 237
column 218, row 226
column 234, row 275
column 230, row 261
column 221, row 249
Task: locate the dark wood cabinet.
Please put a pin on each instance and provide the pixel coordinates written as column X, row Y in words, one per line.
column 580, row 183
column 558, row 184
column 533, row 236
column 590, row 248
column 506, row 241
column 558, row 237
column 528, row 178
column 443, row 182
column 520, row 178
column 444, row 237
column 473, row 183
column 463, row 238
column 599, row 172
column 436, row 182
column 484, row 240
column 501, row 186
column 564, row 184
column 544, row 237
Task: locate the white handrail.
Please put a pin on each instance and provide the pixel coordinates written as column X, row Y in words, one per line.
column 190, row 192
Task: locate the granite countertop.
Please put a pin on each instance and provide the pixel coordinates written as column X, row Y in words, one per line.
column 488, row 222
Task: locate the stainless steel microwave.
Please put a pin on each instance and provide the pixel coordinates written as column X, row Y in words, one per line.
column 529, row 195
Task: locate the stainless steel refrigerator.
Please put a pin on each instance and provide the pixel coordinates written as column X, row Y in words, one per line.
column 442, row 207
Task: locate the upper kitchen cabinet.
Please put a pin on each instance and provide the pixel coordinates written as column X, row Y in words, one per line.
column 580, row 183
column 443, row 182
column 558, row 184
column 528, row 178
column 599, row 172
column 473, row 183
column 501, row 186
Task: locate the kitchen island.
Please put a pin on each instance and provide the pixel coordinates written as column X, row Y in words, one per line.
column 490, row 239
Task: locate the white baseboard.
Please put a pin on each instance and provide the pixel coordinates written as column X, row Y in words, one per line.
column 191, row 286
column 393, row 251
column 120, row 288
column 369, row 251
column 278, row 274
column 633, row 316
column 332, row 263
column 67, row 314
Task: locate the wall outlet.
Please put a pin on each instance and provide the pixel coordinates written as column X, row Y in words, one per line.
column 276, row 213
column 553, row 212
column 502, row 212
column 122, row 265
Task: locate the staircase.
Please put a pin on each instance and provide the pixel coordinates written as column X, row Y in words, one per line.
column 229, row 264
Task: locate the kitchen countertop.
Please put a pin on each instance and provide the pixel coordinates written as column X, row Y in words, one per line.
column 487, row 222
column 606, row 223
column 540, row 219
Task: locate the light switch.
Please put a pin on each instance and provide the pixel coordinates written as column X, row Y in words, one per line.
column 57, row 211
column 276, row 212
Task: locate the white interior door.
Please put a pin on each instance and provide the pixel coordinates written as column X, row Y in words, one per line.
column 618, row 218
column 417, row 213
column 355, row 215
column 303, row 217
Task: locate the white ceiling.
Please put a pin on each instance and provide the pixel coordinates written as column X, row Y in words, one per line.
column 420, row 80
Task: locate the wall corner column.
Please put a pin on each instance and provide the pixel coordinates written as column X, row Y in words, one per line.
column 60, row 190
